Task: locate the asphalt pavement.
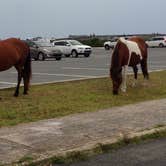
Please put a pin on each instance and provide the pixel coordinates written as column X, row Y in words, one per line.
column 148, row 153
column 97, row 65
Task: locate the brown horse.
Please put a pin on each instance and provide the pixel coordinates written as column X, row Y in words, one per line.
column 126, row 53
column 14, row 52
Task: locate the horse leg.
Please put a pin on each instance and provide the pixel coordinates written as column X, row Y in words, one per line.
column 26, row 83
column 144, row 69
column 124, row 78
column 18, row 82
column 135, row 69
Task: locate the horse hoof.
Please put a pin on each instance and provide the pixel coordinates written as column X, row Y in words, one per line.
column 25, row 93
column 15, row 95
column 115, row 92
column 123, row 90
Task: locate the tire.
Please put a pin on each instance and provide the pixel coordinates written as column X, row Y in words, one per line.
column 161, row 45
column 58, row 57
column 86, row 55
column 107, row 47
column 41, row 56
column 74, row 53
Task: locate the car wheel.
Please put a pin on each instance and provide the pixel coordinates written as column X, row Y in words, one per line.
column 58, row 57
column 107, row 47
column 86, row 55
column 41, row 56
column 161, row 45
column 74, row 53
column 67, row 55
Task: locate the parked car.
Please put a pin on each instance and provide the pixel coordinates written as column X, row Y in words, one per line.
column 43, row 50
column 72, row 47
column 111, row 43
column 158, row 41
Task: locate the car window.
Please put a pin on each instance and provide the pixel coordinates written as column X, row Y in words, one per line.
column 74, row 42
column 157, row 38
column 114, row 40
column 44, row 44
column 161, row 38
column 60, row 43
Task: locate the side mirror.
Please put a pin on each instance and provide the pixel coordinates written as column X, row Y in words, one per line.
column 68, row 45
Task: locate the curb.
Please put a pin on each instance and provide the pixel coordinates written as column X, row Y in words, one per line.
column 96, row 147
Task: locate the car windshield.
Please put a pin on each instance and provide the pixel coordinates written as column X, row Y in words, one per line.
column 74, row 42
column 114, row 40
column 44, row 44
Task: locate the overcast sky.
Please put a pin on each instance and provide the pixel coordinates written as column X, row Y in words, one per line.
column 59, row 18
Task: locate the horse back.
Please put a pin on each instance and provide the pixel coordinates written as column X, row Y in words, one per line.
column 141, row 44
column 12, row 52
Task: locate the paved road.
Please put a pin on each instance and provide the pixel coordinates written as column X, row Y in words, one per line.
column 151, row 153
column 78, row 68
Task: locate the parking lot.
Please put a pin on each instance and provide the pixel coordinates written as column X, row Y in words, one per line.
column 97, row 65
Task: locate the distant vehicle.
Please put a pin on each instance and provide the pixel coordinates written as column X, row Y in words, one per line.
column 72, row 47
column 158, row 41
column 43, row 50
column 110, row 44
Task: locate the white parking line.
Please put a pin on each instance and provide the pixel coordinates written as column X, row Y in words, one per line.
column 83, row 68
column 7, row 83
column 64, row 75
column 157, row 66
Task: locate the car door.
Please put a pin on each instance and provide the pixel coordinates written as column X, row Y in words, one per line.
column 151, row 42
column 67, row 48
column 63, row 46
column 156, row 42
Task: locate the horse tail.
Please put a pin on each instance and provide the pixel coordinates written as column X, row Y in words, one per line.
column 27, row 67
column 144, row 65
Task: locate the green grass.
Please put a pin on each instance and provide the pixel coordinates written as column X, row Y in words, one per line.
column 60, row 99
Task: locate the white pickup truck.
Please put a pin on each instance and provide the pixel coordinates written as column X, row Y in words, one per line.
column 72, row 47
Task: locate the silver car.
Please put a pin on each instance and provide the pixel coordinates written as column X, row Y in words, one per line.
column 43, row 50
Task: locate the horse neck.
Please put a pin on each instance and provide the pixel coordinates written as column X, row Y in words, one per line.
column 116, row 57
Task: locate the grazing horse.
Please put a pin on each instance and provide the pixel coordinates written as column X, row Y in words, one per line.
column 14, row 52
column 126, row 53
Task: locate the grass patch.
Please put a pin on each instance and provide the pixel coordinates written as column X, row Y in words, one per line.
column 60, row 99
column 26, row 159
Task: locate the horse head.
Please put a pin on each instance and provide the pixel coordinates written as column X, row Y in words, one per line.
column 116, row 75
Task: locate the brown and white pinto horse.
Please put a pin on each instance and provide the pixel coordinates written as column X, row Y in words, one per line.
column 14, row 52
column 126, row 53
